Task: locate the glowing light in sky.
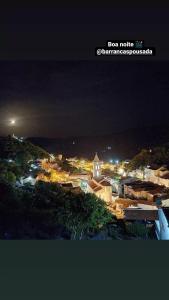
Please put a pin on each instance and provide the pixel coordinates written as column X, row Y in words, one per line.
column 12, row 122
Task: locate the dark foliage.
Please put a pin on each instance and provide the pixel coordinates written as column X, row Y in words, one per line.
column 48, row 212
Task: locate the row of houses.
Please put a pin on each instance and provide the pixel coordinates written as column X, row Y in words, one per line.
column 139, row 197
column 145, row 190
column 146, row 197
column 157, row 175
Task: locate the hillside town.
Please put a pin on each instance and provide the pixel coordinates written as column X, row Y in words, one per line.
column 139, row 195
column 135, row 194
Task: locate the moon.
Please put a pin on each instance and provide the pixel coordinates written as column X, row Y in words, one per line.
column 12, row 122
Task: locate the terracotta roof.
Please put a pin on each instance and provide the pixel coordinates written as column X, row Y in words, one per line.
column 97, row 189
column 105, row 183
column 126, row 202
column 101, row 180
column 92, row 184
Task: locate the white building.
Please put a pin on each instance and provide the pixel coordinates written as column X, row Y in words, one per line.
column 98, row 184
column 162, row 224
column 96, row 166
column 29, row 179
column 158, row 176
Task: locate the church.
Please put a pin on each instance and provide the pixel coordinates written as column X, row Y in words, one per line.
column 98, row 184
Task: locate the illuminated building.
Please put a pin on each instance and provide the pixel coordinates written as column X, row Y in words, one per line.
column 98, row 183
column 96, row 167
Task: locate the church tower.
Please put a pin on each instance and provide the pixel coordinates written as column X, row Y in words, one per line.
column 96, row 167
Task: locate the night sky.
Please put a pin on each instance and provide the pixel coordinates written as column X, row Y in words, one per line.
column 52, row 84
column 59, row 99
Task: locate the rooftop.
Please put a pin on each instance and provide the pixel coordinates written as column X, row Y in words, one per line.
column 153, row 188
column 140, row 214
column 94, row 186
column 102, row 181
column 127, row 202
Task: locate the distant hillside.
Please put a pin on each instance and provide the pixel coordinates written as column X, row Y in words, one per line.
column 13, row 148
column 123, row 145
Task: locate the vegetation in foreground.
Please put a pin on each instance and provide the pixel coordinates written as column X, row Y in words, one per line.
column 49, row 211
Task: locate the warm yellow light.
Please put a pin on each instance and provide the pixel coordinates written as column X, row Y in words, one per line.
column 121, row 171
